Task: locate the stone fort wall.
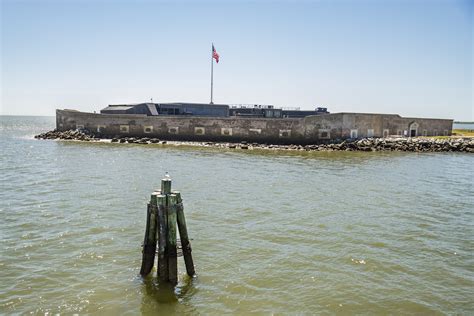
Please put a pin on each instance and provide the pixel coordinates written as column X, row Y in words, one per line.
column 310, row 129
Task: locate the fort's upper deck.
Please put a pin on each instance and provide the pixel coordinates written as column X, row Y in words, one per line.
column 211, row 110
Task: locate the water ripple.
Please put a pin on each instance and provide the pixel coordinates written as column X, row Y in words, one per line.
column 305, row 233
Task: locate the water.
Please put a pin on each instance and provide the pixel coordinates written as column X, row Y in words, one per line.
column 464, row 125
column 273, row 233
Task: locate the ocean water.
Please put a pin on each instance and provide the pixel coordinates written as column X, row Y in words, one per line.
column 465, row 125
column 272, row 232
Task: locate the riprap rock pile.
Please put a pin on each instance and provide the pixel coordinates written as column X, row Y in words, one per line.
column 416, row 144
column 408, row 144
column 67, row 135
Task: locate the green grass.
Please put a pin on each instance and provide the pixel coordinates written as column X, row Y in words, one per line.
column 463, row 132
column 455, row 133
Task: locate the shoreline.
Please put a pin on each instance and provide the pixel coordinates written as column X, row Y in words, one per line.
column 417, row 144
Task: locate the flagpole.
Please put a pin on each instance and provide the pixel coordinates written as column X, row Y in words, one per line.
column 212, row 71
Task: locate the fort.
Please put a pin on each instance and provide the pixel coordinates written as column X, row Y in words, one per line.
column 256, row 123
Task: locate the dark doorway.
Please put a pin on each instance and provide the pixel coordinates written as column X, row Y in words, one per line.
column 413, row 128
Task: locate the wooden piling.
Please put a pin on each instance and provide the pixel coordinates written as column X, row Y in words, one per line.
column 165, row 186
column 171, row 242
column 162, row 237
column 149, row 243
column 164, row 214
column 183, row 234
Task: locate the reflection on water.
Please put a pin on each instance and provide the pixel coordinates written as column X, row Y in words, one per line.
column 273, row 232
column 158, row 292
column 161, row 296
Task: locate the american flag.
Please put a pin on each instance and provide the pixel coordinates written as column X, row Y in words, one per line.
column 215, row 55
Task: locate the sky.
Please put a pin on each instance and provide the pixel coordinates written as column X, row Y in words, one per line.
column 413, row 58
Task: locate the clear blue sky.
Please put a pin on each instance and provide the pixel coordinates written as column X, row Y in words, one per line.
column 414, row 57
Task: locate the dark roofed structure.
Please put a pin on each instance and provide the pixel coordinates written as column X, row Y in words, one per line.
column 197, row 109
column 210, row 110
column 118, row 109
column 177, row 108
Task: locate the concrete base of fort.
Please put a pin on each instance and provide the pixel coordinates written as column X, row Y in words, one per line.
column 317, row 129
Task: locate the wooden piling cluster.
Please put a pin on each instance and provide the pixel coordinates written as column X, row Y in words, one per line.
column 165, row 211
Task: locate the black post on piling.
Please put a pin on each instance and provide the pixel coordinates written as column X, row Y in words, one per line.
column 165, row 213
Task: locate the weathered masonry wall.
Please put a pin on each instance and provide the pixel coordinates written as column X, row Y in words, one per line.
column 185, row 127
column 384, row 125
column 311, row 129
column 359, row 125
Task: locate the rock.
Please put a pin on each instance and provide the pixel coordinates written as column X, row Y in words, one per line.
column 366, row 144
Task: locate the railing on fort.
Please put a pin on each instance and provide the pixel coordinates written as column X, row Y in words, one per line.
column 291, row 108
column 261, row 106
